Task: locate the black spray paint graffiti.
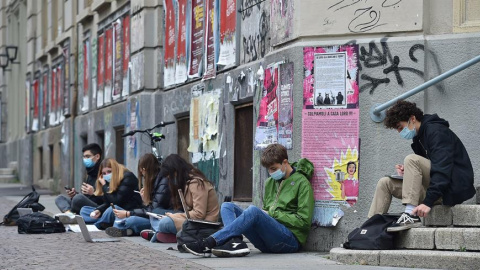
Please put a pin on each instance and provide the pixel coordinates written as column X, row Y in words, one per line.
column 365, row 18
column 375, row 57
column 248, row 6
column 255, row 45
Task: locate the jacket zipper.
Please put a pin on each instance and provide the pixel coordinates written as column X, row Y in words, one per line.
column 276, row 198
column 426, row 152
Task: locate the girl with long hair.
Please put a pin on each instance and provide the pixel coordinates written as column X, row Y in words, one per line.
column 200, row 199
column 117, row 185
column 155, row 196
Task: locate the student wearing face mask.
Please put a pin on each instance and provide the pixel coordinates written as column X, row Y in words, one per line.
column 439, row 171
column 280, row 226
column 73, row 202
column 117, row 185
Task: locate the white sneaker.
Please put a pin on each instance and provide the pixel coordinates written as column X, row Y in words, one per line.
column 66, row 218
column 405, row 222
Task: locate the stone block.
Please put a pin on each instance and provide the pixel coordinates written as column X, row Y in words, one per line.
column 466, row 215
column 477, row 196
column 471, row 237
column 416, row 238
column 440, row 215
column 350, row 256
column 449, row 238
column 432, row 259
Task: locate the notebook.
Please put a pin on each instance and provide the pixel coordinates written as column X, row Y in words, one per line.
column 86, row 234
column 395, row 176
column 185, row 208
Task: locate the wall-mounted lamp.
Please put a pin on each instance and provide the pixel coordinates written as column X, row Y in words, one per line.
column 4, row 62
column 8, row 57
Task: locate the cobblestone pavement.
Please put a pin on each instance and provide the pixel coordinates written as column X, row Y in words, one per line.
column 70, row 251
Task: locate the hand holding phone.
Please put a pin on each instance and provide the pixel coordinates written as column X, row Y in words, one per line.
column 70, row 191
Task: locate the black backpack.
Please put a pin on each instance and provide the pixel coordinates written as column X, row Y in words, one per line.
column 372, row 234
column 39, row 223
column 194, row 231
column 29, row 201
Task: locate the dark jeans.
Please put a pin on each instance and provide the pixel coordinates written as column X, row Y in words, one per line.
column 64, row 203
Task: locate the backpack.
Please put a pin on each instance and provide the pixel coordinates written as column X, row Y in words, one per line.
column 372, row 234
column 29, row 201
column 194, row 231
column 39, row 223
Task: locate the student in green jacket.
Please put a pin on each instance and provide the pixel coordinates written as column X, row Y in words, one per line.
column 281, row 226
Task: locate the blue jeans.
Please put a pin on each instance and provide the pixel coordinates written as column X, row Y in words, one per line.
column 263, row 231
column 107, row 217
column 163, row 225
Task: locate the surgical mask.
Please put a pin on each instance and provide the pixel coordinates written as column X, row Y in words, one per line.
column 88, row 162
column 278, row 174
column 107, row 177
column 406, row 133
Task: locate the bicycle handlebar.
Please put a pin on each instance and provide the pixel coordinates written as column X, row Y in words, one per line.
column 161, row 124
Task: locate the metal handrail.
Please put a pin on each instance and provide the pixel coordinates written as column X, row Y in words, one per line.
column 377, row 112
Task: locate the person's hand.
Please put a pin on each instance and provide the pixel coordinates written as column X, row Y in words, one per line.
column 101, row 180
column 422, row 210
column 120, row 213
column 87, row 189
column 399, row 168
column 95, row 214
column 71, row 192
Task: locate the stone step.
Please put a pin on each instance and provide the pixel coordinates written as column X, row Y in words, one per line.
column 432, row 259
column 452, row 238
column 459, row 215
column 8, row 179
column 6, row 171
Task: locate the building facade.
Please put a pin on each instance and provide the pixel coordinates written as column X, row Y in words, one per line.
column 234, row 76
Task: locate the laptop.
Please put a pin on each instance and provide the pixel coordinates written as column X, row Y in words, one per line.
column 395, row 176
column 24, row 211
column 182, row 198
column 86, row 233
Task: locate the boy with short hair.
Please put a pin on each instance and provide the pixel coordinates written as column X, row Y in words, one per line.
column 439, row 171
column 281, row 226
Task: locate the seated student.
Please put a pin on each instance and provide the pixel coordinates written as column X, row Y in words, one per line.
column 200, row 198
column 155, row 196
column 117, row 186
column 439, row 171
column 282, row 226
column 92, row 156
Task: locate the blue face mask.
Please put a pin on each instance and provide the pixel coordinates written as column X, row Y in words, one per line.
column 88, row 162
column 406, row 133
column 278, row 174
column 107, row 177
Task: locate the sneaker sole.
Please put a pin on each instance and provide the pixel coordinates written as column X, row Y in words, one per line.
column 404, row 227
column 205, row 255
column 116, row 232
column 229, row 253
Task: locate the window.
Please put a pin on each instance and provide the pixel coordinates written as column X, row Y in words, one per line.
column 183, row 137
column 243, row 179
column 119, row 145
column 100, row 140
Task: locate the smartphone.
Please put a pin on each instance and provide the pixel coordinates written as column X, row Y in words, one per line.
column 113, row 206
column 67, row 187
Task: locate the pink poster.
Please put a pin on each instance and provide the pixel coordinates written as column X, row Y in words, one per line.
column 169, row 48
column 181, row 58
column 196, row 39
column 330, row 141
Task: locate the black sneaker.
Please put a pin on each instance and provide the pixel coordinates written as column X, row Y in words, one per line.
column 116, row 232
column 232, row 248
column 405, row 222
column 198, row 248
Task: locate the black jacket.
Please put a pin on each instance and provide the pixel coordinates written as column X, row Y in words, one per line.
column 451, row 173
column 160, row 199
column 92, row 175
column 124, row 196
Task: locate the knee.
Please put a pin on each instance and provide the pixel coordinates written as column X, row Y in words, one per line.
column 227, row 206
column 253, row 210
column 412, row 158
column 383, row 183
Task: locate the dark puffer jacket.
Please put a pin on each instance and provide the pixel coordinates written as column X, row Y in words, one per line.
column 451, row 173
column 92, row 175
column 124, row 196
column 160, row 199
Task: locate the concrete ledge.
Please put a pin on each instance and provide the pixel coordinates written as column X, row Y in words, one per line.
column 409, row 258
column 440, row 215
column 458, row 239
column 417, row 238
column 6, row 171
column 466, row 215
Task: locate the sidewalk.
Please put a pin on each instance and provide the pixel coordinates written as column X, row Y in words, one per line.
column 256, row 259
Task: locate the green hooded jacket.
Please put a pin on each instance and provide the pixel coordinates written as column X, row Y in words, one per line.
column 290, row 201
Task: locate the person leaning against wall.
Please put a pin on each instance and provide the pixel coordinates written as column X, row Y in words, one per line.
column 74, row 201
column 439, row 171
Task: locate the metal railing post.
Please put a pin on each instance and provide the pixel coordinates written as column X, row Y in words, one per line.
column 377, row 112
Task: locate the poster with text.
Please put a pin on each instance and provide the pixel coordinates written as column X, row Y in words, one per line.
column 60, row 92
column 181, row 59
column 27, row 103
column 169, row 49
column 100, row 69
column 66, row 80
column 210, row 40
column 228, row 22
column 53, row 96
column 285, row 106
column 86, row 75
column 196, row 39
column 331, row 77
column 117, row 74
column 107, row 94
column 45, row 97
column 126, row 56
column 266, row 129
column 36, row 102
